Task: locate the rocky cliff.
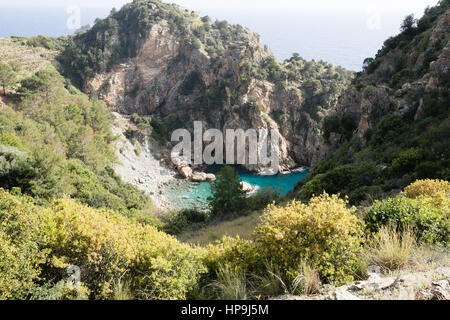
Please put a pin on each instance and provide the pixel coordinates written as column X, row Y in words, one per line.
column 184, row 68
column 392, row 125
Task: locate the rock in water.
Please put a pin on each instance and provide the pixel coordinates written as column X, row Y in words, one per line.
column 198, row 177
column 247, row 187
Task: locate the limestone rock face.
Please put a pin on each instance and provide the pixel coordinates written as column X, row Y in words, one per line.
column 170, row 77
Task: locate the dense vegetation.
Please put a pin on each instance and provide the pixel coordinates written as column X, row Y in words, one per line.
column 294, row 249
column 121, row 34
column 55, row 140
column 402, row 146
column 62, row 207
column 115, row 255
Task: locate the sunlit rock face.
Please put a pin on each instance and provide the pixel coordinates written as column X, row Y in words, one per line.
column 176, row 76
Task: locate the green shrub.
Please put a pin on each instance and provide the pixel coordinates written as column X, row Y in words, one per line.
column 406, row 161
column 324, row 234
column 20, row 255
column 428, row 222
column 352, row 180
column 262, row 198
column 11, row 140
column 228, row 197
column 184, row 220
column 15, row 168
column 108, row 247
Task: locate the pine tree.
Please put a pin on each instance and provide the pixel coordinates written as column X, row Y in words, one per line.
column 7, row 76
column 228, row 195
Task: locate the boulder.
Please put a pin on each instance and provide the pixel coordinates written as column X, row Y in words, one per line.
column 202, row 177
column 186, row 172
column 439, row 290
column 247, row 187
column 198, row 177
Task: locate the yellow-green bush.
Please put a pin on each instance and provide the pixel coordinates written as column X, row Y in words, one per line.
column 37, row 245
column 163, row 268
column 20, row 256
column 107, row 247
column 231, row 253
column 324, row 234
column 434, row 192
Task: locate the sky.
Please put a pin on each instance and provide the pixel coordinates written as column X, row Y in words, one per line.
column 406, row 6
column 342, row 32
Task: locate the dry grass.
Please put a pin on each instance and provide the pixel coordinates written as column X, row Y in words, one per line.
column 27, row 60
column 275, row 284
column 242, row 227
column 309, row 280
column 391, row 250
column 231, row 284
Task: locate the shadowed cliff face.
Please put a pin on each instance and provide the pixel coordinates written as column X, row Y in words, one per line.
column 218, row 74
column 402, row 77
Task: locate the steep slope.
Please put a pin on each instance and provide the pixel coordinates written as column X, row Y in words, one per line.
column 152, row 58
column 392, row 125
column 56, row 140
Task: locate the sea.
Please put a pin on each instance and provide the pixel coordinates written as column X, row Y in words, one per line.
column 343, row 39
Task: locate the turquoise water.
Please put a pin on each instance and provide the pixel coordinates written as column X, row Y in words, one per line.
column 196, row 195
column 282, row 182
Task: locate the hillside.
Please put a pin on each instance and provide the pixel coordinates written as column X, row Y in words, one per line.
column 84, row 118
column 391, row 126
column 54, row 139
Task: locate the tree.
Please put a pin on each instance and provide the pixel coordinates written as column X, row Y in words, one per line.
column 366, row 64
column 41, row 82
column 7, row 76
column 409, row 24
column 228, row 194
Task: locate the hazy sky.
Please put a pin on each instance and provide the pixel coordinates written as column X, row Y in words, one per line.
column 405, row 6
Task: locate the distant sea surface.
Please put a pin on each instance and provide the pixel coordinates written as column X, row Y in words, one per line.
column 341, row 39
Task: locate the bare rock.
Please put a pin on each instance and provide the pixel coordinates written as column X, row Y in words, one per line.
column 186, row 172
column 199, row 177
column 247, row 187
column 439, row 290
column 342, row 294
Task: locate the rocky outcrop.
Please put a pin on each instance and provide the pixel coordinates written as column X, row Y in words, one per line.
column 180, row 78
column 378, row 287
column 398, row 80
